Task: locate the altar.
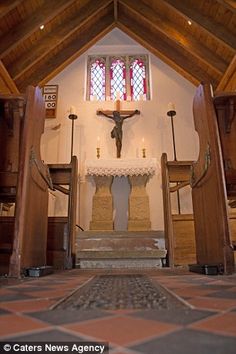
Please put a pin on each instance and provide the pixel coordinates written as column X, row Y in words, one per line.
column 138, row 171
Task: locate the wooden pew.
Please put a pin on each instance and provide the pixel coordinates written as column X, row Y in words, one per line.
column 24, row 180
column 179, row 228
column 213, row 178
column 61, row 230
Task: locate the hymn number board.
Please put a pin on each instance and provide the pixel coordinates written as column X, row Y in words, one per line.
column 50, row 94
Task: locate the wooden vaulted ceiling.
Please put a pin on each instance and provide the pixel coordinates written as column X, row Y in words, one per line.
column 202, row 52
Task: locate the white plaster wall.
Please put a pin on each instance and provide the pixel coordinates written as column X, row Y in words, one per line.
column 153, row 125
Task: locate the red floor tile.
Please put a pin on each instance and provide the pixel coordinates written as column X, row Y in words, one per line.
column 213, row 303
column 223, row 324
column 14, row 324
column 122, row 330
column 27, row 306
column 193, row 291
column 49, row 293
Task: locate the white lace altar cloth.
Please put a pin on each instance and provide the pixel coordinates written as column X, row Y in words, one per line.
column 121, row 167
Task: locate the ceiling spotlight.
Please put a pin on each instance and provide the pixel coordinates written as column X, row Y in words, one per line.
column 189, row 22
column 41, row 27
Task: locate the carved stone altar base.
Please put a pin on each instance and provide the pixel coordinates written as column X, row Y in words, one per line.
column 102, row 212
column 139, row 211
column 138, row 171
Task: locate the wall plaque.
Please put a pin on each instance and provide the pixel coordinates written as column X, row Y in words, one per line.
column 50, row 94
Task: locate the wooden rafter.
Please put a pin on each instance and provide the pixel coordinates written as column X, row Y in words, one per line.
column 230, row 4
column 44, row 14
column 46, row 44
column 7, row 80
column 86, row 37
column 218, row 31
column 228, row 81
column 161, row 46
column 7, row 5
column 181, row 38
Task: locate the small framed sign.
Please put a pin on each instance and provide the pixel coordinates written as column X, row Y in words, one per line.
column 50, row 94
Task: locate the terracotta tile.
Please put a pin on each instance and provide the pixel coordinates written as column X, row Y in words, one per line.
column 193, row 291
column 27, row 306
column 223, row 324
column 49, row 294
column 6, row 292
column 13, row 324
column 122, row 330
column 212, row 303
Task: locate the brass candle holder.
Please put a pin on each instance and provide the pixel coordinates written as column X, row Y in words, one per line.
column 144, row 153
column 98, row 152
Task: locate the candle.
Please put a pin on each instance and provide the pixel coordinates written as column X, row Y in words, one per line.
column 118, row 95
column 98, row 142
column 72, row 110
column 141, row 97
column 171, row 106
column 108, row 98
column 128, row 98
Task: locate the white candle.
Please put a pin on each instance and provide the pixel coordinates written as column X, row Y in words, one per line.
column 128, row 98
column 118, row 95
column 108, row 98
column 72, row 110
column 98, row 142
column 171, row 106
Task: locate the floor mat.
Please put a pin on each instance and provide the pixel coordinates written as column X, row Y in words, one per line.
column 122, row 291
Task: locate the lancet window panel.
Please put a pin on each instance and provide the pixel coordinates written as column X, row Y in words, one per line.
column 125, row 77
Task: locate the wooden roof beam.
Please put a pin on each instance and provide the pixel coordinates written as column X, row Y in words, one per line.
column 160, row 45
column 215, row 29
column 43, row 15
column 181, row 38
column 7, row 5
column 7, row 80
column 46, row 44
column 228, row 81
column 230, row 4
column 50, row 67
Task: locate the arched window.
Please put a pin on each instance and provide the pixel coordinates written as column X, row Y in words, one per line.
column 118, row 79
column 138, row 81
column 97, row 80
column 126, row 76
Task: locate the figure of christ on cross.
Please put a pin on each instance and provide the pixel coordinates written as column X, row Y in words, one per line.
column 118, row 116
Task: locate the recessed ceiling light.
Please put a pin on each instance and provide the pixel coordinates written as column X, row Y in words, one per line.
column 189, row 22
column 41, row 27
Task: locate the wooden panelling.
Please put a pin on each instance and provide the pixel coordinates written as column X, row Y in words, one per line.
column 201, row 52
column 69, row 50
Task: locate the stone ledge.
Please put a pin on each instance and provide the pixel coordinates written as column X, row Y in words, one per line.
column 121, row 254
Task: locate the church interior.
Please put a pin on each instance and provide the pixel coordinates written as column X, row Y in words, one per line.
column 118, row 176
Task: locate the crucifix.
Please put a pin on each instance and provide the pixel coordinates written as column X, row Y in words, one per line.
column 118, row 116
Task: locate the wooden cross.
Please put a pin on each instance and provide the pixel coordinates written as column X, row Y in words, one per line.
column 118, row 116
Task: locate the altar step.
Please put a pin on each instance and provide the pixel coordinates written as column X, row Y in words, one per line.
column 120, row 249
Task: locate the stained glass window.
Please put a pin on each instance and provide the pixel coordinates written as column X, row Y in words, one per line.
column 97, row 80
column 138, row 82
column 118, row 79
column 125, row 77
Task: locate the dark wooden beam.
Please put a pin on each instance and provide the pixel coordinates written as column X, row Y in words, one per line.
column 7, row 5
column 229, row 4
column 43, row 14
column 48, row 43
column 228, row 81
column 218, row 31
column 57, row 61
column 180, row 60
column 181, row 37
column 6, row 80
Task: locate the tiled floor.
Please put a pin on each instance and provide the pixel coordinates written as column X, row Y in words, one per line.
column 207, row 325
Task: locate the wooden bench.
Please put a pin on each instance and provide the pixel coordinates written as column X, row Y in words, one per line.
column 24, row 180
column 213, row 179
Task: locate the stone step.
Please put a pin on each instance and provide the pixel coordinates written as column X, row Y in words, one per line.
column 121, row 234
column 120, row 249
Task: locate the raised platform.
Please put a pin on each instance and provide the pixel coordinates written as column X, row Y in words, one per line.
column 120, row 249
